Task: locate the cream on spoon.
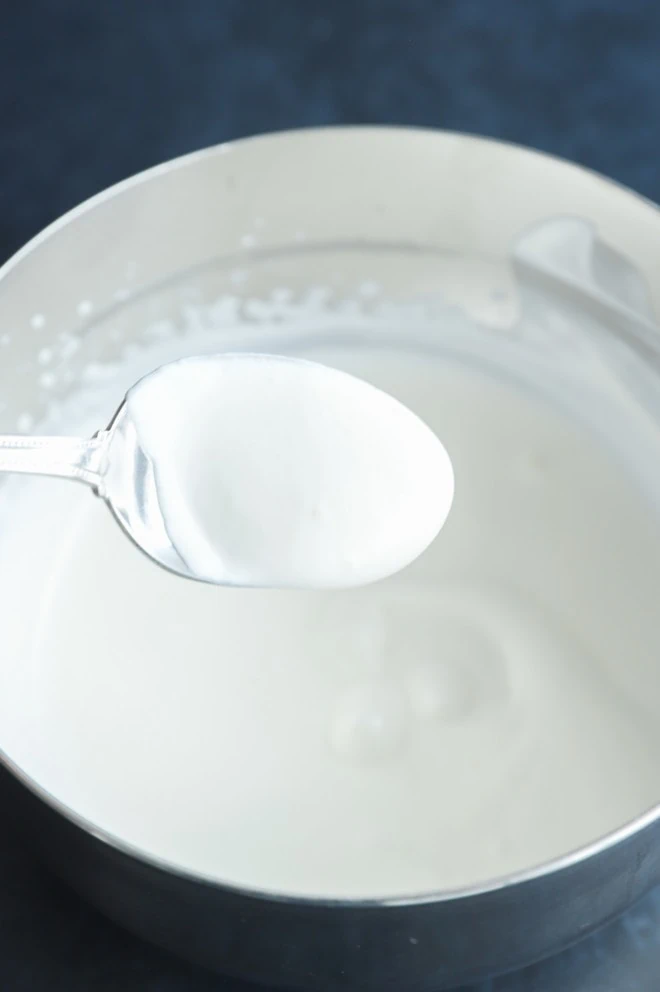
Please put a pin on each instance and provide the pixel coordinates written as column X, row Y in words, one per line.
column 260, row 470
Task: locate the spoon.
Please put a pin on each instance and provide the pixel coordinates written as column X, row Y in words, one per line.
column 260, row 470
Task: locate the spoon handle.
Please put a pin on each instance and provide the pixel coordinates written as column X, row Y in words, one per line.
column 67, row 457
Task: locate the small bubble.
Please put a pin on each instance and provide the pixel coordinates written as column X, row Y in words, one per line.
column 5, row 340
column 317, row 296
column 84, row 308
column 440, row 689
column 47, row 380
column 24, row 423
column 248, row 240
column 45, row 356
column 37, row 321
column 69, row 344
column 371, row 722
column 121, row 294
column 413, row 940
column 281, row 295
column 238, row 276
column 370, row 289
column 456, row 667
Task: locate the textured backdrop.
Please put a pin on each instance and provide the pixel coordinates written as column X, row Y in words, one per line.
column 94, row 90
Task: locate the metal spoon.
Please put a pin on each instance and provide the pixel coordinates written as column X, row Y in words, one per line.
column 116, row 466
column 117, row 469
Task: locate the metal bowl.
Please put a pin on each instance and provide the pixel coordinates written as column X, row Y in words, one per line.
column 253, row 210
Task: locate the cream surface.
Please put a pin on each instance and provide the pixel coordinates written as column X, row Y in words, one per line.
column 493, row 706
column 275, row 472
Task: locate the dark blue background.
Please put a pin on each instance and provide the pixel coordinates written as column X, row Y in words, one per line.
column 94, row 90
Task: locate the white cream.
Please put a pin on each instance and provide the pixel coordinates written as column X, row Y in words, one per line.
column 276, row 472
column 493, row 706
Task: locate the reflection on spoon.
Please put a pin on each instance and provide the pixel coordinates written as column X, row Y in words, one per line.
column 260, row 470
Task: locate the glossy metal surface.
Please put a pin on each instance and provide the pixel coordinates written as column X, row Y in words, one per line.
column 412, row 946
column 115, row 466
column 195, row 211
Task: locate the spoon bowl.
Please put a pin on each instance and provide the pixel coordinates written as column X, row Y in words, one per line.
column 128, row 486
